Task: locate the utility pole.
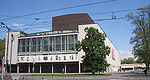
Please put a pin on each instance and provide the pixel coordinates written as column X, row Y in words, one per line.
column 6, row 66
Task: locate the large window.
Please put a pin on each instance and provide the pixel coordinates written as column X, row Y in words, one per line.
column 71, row 42
column 28, row 46
column 21, row 45
column 64, row 43
column 39, row 44
column 51, row 43
column 33, row 45
column 45, row 43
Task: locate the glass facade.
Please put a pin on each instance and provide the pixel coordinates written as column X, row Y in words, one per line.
column 51, row 43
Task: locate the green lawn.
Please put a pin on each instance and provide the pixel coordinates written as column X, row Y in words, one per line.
column 134, row 71
column 68, row 75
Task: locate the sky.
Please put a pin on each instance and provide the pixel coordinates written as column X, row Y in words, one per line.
column 119, row 31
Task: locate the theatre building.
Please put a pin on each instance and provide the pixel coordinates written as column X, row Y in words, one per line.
column 54, row 51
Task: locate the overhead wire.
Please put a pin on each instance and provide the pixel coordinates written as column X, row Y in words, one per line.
column 36, row 19
column 94, row 20
column 70, row 23
column 116, row 18
column 110, row 19
column 107, row 12
column 58, row 9
column 25, row 25
column 106, row 19
column 15, row 16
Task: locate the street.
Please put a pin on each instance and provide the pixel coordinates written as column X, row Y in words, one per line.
column 114, row 76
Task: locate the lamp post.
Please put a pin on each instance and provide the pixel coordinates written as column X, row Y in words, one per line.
column 6, row 50
column 12, row 38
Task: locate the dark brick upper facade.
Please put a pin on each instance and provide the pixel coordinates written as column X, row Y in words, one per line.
column 70, row 22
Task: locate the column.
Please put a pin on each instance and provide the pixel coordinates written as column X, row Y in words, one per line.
column 17, row 68
column 52, row 69
column 40, row 68
column 79, row 67
column 29, row 68
column 65, row 68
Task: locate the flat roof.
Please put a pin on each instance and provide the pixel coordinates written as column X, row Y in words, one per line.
column 48, row 33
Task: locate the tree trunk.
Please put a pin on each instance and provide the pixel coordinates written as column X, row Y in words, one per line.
column 93, row 73
column 148, row 66
column 146, row 69
column 99, row 72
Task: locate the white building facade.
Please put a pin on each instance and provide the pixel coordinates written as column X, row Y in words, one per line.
column 52, row 51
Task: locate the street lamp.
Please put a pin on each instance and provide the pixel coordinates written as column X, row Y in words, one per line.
column 6, row 50
column 12, row 38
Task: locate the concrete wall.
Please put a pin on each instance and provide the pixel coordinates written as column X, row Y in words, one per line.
column 14, row 47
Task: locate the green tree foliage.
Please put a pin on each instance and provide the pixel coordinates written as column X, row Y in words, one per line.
column 2, row 48
column 95, row 51
column 141, row 34
column 129, row 60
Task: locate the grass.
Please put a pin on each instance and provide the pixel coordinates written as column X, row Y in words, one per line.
column 134, row 71
column 69, row 75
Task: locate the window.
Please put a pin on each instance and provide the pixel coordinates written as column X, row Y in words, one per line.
column 64, row 39
column 39, row 43
column 71, row 42
column 33, row 45
column 45, row 41
column 21, row 45
column 58, row 43
column 52, row 43
column 28, row 45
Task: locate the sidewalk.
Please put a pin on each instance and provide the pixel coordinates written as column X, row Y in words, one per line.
column 114, row 76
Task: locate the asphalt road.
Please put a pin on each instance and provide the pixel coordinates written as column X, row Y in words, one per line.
column 114, row 76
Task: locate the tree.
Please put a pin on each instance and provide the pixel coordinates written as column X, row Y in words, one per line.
column 2, row 48
column 141, row 35
column 95, row 51
column 129, row 60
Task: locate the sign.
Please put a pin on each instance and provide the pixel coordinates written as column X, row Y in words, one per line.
column 49, row 58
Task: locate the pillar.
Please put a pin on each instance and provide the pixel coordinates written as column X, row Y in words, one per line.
column 52, row 68
column 79, row 68
column 17, row 68
column 40, row 68
column 29, row 68
column 65, row 68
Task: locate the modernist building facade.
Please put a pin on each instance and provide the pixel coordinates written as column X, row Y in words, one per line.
column 54, row 51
